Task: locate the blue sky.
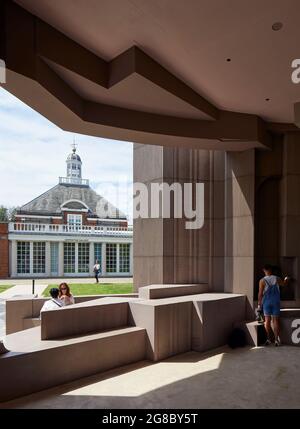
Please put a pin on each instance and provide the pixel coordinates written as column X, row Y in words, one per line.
column 33, row 153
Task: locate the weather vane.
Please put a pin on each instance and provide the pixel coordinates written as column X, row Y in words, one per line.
column 74, row 145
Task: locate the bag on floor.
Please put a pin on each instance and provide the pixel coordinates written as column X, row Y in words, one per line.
column 237, row 338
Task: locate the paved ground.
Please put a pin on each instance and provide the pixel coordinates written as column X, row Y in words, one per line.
column 245, row 378
column 69, row 280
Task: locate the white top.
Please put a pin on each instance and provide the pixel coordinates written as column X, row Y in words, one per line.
column 270, row 281
column 52, row 304
column 97, row 267
column 67, row 300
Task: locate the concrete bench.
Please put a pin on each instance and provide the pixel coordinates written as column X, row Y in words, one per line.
column 194, row 322
column 167, row 291
column 81, row 319
column 22, row 312
column 32, row 365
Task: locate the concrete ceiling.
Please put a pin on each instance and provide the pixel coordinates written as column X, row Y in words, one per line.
column 193, row 40
column 197, row 73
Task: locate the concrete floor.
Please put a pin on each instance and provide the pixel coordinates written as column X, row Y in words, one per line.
column 245, row 378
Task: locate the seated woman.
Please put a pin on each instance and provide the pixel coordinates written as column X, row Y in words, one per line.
column 65, row 295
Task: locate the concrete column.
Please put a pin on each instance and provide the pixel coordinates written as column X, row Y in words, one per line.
column 290, row 215
column 31, row 257
column 92, row 258
column 239, row 231
column 103, row 261
column 118, row 258
column 48, row 259
column 165, row 251
column 60, row 259
column 13, row 259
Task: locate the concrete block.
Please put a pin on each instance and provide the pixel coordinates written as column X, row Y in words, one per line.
column 33, row 365
column 214, row 318
column 166, row 291
column 83, row 318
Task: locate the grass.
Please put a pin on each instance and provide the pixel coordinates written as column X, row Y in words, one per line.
column 95, row 289
column 3, row 288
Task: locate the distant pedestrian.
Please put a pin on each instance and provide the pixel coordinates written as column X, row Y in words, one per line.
column 97, row 271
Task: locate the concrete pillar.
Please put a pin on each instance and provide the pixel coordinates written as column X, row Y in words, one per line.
column 92, row 258
column 239, row 231
column 118, row 258
column 290, row 212
column 103, row 261
column 13, row 259
column 164, row 250
column 48, row 259
column 60, row 259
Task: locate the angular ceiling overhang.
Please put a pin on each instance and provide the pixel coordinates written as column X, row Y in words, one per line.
column 82, row 92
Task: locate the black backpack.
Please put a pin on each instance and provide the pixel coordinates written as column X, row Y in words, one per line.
column 237, row 338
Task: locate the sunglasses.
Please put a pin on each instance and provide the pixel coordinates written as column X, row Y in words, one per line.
column 63, row 288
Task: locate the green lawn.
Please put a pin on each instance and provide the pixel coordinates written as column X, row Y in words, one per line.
column 3, row 288
column 95, row 289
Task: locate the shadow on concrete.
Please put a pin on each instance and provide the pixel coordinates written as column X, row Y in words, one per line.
column 242, row 378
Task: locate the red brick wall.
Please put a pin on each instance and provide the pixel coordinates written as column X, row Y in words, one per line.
column 56, row 221
column 4, row 252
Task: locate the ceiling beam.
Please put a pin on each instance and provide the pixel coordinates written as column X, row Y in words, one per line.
column 33, row 81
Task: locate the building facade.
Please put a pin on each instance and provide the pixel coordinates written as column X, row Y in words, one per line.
column 62, row 232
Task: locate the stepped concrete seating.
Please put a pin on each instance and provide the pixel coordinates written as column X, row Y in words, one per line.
column 23, row 312
column 104, row 333
column 79, row 319
column 163, row 291
column 32, row 364
column 194, row 322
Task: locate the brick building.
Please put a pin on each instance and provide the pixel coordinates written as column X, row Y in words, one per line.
column 65, row 230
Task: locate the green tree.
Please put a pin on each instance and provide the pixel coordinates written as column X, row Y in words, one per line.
column 3, row 214
column 12, row 213
column 8, row 214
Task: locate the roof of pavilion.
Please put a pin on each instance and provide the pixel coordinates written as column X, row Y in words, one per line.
column 51, row 202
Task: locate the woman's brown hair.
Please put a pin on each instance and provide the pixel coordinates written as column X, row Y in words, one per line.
column 68, row 293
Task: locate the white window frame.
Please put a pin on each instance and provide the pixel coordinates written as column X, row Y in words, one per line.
column 74, row 220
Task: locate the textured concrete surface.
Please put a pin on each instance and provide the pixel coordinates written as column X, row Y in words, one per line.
column 245, row 378
column 32, row 365
column 2, row 318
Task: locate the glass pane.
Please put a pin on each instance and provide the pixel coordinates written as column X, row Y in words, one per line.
column 23, row 257
column 69, row 258
column 124, row 258
column 111, row 258
column 54, row 257
column 83, row 257
column 39, row 257
column 98, row 253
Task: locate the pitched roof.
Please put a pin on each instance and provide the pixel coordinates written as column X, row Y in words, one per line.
column 50, row 202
